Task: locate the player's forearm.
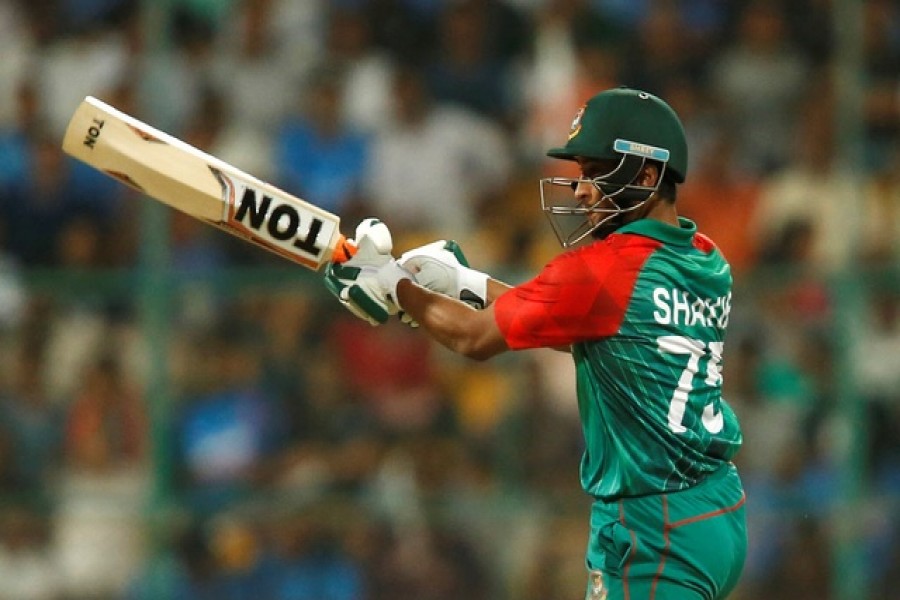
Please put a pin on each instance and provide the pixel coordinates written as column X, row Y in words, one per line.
column 453, row 324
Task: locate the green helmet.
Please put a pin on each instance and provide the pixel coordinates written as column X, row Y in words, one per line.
column 628, row 127
column 627, row 121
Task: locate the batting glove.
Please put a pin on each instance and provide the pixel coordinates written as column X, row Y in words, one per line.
column 366, row 284
column 442, row 267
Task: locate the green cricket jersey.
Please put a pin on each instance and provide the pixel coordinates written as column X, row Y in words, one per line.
column 645, row 312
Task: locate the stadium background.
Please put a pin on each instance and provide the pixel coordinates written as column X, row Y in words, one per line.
column 183, row 416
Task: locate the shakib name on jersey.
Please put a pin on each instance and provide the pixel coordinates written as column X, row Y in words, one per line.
column 678, row 307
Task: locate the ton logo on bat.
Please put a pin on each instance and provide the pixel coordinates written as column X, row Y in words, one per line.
column 281, row 222
column 93, row 132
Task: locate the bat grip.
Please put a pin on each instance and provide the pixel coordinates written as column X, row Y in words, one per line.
column 343, row 250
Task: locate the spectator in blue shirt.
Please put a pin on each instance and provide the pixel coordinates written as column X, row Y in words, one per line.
column 318, row 154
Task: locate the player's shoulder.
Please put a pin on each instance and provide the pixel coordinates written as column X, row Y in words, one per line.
column 615, row 252
column 704, row 243
column 612, row 245
column 710, row 252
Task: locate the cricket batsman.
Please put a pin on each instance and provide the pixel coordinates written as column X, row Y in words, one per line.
column 641, row 299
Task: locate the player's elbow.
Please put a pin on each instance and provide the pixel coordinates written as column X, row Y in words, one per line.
column 481, row 345
column 479, row 354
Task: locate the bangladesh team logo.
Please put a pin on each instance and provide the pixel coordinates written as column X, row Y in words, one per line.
column 575, row 128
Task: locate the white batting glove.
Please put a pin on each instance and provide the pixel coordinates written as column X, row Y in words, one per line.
column 442, row 267
column 366, row 285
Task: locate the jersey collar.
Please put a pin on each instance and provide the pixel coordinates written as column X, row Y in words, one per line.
column 682, row 235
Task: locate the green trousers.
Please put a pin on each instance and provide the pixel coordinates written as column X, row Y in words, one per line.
column 687, row 545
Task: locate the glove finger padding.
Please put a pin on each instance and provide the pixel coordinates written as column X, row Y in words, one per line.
column 340, row 288
column 365, row 306
column 407, row 320
column 355, row 282
column 374, row 241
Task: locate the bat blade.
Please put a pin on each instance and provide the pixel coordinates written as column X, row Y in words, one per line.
column 203, row 186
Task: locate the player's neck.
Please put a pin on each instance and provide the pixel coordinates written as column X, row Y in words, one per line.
column 662, row 210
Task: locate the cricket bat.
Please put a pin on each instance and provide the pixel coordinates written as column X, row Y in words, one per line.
column 202, row 186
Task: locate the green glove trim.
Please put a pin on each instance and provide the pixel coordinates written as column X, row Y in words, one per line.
column 454, row 247
column 334, row 284
column 365, row 302
column 343, row 271
column 335, row 278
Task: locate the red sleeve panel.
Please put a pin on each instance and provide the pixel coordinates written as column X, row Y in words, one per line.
column 580, row 295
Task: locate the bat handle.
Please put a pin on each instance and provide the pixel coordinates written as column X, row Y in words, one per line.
column 343, row 250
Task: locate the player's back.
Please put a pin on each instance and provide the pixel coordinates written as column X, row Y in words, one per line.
column 650, row 394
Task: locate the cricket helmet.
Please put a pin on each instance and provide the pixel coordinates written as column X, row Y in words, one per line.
column 624, row 125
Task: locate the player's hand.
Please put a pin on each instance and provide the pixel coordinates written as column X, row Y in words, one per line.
column 366, row 284
column 442, row 267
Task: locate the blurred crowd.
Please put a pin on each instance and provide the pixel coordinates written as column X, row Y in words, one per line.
column 301, row 454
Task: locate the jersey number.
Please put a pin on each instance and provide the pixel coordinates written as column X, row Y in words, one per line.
column 696, row 351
